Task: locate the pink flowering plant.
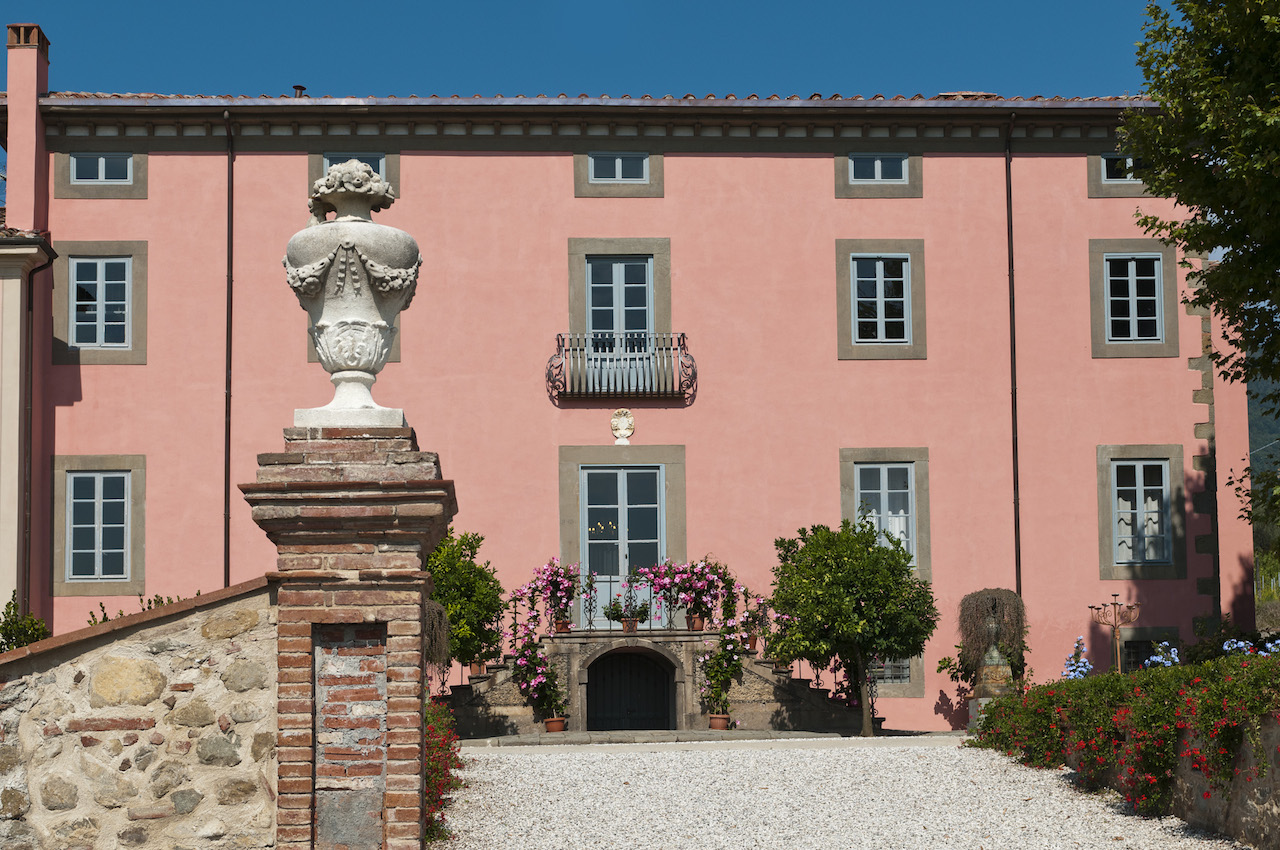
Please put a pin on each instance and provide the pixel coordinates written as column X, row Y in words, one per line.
column 721, row 664
column 699, row 587
column 534, row 675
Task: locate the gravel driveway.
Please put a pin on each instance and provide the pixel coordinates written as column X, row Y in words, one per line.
column 795, row 794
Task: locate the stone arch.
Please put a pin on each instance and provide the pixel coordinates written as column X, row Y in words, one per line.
column 630, row 688
column 672, row 662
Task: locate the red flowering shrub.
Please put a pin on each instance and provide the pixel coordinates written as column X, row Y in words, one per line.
column 440, row 755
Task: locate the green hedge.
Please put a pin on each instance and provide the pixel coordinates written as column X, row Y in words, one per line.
column 1136, row 727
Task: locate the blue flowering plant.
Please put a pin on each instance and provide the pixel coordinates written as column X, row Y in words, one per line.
column 1077, row 666
column 1164, row 655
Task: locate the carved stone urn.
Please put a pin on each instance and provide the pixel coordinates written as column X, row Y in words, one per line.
column 353, row 277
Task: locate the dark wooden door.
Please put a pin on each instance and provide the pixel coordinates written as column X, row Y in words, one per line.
column 628, row 690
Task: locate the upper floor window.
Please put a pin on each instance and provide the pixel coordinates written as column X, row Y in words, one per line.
column 877, row 168
column 97, row 545
column 619, row 297
column 613, row 167
column 100, row 297
column 1140, row 512
column 376, row 161
column 102, row 168
column 1134, row 298
column 884, row 493
column 882, row 300
column 1119, row 168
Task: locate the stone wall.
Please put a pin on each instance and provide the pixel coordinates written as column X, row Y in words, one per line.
column 154, row 731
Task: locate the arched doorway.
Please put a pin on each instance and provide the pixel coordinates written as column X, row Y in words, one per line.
column 630, row 690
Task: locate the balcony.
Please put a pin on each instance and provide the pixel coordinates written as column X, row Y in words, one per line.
column 621, row 365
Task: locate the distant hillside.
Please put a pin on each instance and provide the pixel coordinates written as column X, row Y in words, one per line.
column 1263, row 430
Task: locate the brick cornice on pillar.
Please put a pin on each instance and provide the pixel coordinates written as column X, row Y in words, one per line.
column 353, row 513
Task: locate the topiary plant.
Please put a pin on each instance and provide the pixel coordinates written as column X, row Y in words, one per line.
column 1011, row 624
column 471, row 595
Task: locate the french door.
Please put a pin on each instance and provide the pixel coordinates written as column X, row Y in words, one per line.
column 622, row 529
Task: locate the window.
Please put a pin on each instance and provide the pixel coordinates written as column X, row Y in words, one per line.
column 99, row 174
column 620, row 507
column 891, row 486
column 1137, row 645
column 876, row 174
column 614, row 167
column 1143, row 533
column 100, row 303
column 99, row 537
column 618, row 174
column 1134, row 653
column 102, row 168
column 1140, row 512
column 880, row 297
column 99, row 307
column 881, row 305
column 1119, row 168
column 620, row 295
column 619, row 286
column 877, row 168
column 894, row 671
column 376, row 161
column 1133, row 290
column 97, row 526
column 1133, row 298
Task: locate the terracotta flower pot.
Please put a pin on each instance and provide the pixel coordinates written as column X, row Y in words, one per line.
column 630, row 625
column 695, row 622
column 554, row 724
column 477, row 669
column 752, row 640
column 719, row 721
column 563, row 627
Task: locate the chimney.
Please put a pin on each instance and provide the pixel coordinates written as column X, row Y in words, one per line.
column 27, row 198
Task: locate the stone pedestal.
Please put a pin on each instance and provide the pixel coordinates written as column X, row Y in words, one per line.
column 353, row 512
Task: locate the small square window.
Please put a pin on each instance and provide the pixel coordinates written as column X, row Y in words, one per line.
column 877, row 168
column 376, row 161
column 1119, row 168
column 614, row 167
column 893, row 671
column 99, row 302
column 102, row 168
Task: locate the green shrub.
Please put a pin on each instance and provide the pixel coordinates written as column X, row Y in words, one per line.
column 441, row 760
column 471, row 595
column 18, row 629
column 1130, row 725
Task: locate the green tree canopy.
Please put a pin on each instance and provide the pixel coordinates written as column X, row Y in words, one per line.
column 471, row 595
column 1213, row 66
column 849, row 596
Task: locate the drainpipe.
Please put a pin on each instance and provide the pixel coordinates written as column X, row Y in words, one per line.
column 226, row 427
column 28, row 428
column 1013, row 354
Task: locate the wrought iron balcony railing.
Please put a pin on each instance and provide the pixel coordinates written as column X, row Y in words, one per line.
column 621, row 365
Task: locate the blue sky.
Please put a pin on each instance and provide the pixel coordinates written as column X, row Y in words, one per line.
column 488, row 47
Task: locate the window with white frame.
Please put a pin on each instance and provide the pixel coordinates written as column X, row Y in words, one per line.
column 877, row 168
column 881, row 299
column 376, row 161
column 1140, row 509
column 893, row 671
column 884, row 492
column 622, row 524
column 97, row 524
column 1119, row 168
column 1134, row 296
column 99, row 302
column 615, row 167
column 619, row 302
column 102, row 168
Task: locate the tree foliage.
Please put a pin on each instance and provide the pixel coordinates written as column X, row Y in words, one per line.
column 471, row 595
column 849, row 596
column 1214, row 145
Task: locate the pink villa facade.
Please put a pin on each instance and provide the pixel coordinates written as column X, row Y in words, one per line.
column 941, row 306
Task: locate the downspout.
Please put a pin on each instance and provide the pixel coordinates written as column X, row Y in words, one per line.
column 226, row 427
column 28, row 428
column 1013, row 355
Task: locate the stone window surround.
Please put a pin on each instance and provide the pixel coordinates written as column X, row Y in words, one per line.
column 1101, row 347
column 919, row 459
column 353, row 144
column 1099, row 188
column 1155, row 634
column 64, row 188
column 912, row 188
column 654, row 187
column 136, row 465
column 1109, row 570
column 846, row 349
column 658, row 248
column 573, row 458
column 63, row 353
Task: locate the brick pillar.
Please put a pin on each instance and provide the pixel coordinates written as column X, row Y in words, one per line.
column 353, row 513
